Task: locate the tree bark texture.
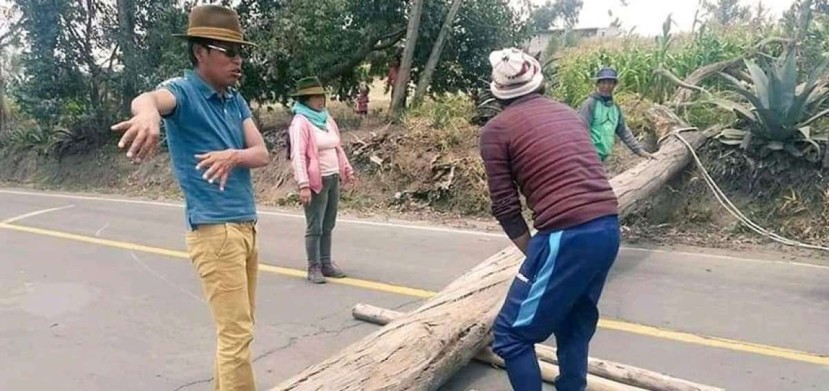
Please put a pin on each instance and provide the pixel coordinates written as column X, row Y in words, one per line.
column 4, row 111
column 434, row 57
column 402, row 82
column 370, row 45
column 129, row 57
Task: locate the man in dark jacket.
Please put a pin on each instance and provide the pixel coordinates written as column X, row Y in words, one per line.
column 542, row 147
column 604, row 117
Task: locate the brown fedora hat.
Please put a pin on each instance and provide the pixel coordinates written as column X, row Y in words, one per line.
column 216, row 23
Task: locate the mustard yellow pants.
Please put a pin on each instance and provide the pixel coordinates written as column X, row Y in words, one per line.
column 226, row 257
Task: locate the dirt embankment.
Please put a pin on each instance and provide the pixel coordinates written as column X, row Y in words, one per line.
column 428, row 168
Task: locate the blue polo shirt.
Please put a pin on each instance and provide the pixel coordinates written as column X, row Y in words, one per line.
column 206, row 121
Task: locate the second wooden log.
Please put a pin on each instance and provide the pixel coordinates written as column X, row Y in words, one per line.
column 549, row 371
column 618, row 374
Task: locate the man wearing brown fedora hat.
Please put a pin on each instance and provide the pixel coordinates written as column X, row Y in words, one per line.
column 213, row 145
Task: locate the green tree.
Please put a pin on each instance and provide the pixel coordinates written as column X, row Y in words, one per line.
column 127, row 42
column 83, row 61
column 483, row 26
column 155, row 55
column 49, row 74
column 437, row 49
column 9, row 20
column 8, row 38
column 68, row 61
column 552, row 12
column 726, row 12
column 334, row 38
column 326, row 38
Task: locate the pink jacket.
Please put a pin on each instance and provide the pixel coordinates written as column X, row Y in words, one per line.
column 305, row 154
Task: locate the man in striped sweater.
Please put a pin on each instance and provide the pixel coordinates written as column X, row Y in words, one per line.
column 543, row 148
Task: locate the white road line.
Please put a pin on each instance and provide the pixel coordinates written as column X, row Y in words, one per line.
column 35, row 213
column 261, row 212
column 101, row 230
column 88, row 198
column 163, row 279
column 427, row 228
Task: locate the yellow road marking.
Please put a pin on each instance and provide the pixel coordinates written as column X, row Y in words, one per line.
column 35, row 213
column 634, row 328
column 354, row 282
column 377, row 286
column 715, row 342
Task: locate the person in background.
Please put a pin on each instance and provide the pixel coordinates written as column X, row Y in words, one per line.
column 362, row 101
column 542, row 147
column 319, row 164
column 394, row 69
column 213, row 144
column 604, row 117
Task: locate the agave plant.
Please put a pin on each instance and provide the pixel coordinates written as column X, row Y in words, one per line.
column 780, row 112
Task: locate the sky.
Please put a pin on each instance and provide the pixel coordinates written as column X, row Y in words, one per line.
column 648, row 15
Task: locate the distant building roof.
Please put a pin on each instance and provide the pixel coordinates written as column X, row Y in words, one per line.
column 577, row 29
column 539, row 42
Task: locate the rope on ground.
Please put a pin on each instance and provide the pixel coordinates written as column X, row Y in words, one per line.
column 726, row 203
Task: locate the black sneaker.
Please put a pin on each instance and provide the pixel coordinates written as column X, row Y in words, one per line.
column 315, row 274
column 331, row 270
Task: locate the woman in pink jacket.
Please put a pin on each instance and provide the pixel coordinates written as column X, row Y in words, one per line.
column 319, row 165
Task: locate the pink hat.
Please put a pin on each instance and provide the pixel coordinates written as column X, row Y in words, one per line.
column 514, row 73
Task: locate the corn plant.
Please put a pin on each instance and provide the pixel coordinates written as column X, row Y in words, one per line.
column 571, row 72
column 779, row 112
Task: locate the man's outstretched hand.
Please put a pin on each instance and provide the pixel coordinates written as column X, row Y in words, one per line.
column 218, row 165
column 141, row 134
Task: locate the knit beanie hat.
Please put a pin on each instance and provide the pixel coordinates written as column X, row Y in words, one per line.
column 514, row 74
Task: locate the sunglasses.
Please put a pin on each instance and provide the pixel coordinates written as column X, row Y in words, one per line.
column 231, row 52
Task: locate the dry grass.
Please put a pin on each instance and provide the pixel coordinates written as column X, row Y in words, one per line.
column 428, row 163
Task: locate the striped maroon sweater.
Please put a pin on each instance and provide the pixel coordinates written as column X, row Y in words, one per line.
column 543, row 148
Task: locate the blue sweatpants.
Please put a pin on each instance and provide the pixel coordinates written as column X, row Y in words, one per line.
column 556, row 292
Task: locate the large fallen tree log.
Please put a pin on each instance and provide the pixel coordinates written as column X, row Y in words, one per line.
column 603, row 374
column 423, row 349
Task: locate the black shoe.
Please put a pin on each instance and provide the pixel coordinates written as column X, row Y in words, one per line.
column 315, row 274
column 331, row 270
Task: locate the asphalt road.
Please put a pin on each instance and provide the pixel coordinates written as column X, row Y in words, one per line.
column 96, row 294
